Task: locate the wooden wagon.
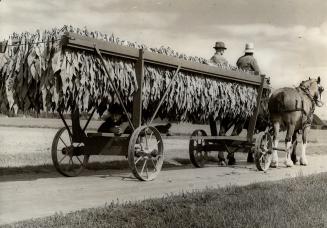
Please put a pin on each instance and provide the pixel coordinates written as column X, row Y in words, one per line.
column 72, row 146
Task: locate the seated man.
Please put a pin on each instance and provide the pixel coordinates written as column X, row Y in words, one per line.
column 247, row 61
column 218, row 58
column 113, row 121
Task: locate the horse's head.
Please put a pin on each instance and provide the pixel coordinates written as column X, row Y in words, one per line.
column 314, row 89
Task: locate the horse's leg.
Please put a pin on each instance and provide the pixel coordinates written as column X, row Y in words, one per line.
column 294, row 143
column 288, row 144
column 274, row 160
column 303, row 159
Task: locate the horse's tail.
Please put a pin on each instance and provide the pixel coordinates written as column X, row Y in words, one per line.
column 276, row 103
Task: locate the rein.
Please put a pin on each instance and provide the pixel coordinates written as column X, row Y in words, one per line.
column 313, row 106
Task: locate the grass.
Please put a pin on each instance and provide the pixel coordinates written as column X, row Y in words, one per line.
column 298, row 202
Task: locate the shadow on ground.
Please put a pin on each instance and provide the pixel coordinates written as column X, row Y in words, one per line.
column 102, row 169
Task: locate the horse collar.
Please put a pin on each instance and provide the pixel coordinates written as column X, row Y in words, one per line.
column 306, row 91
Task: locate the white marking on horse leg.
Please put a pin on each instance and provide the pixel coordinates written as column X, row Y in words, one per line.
column 274, row 160
column 303, row 159
column 288, row 160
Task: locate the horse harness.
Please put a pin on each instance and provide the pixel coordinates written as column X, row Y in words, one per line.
column 306, row 117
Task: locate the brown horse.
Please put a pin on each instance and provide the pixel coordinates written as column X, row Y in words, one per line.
column 292, row 109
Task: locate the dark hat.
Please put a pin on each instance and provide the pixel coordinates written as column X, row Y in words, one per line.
column 220, row 45
column 115, row 109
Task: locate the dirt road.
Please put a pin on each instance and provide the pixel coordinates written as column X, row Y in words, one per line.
column 31, row 196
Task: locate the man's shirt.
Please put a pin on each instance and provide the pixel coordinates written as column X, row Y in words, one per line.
column 219, row 60
column 248, row 62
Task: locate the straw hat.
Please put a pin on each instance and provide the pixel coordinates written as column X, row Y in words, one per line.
column 249, row 48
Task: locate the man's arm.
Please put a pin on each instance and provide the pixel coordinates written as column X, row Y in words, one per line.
column 255, row 66
column 109, row 126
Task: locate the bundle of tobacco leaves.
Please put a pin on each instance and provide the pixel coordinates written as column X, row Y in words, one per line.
column 36, row 74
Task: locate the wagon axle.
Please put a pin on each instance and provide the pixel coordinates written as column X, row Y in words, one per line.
column 73, row 151
column 146, row 153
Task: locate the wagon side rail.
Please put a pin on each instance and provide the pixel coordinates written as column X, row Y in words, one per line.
column 141, row 57
column 73, row 40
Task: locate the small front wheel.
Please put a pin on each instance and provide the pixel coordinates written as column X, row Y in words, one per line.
column 197, row 152
column 263, row 151
column 68, row 159
column 145, row 153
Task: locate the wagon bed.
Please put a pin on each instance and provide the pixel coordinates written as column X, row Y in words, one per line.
column 145, row 160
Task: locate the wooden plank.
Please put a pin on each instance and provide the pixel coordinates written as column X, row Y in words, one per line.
column 94, row 134
column 193, row 67
column 254, row 117
column 73, row 40
column 137, row 99
column 227, row 138
column 100, row 145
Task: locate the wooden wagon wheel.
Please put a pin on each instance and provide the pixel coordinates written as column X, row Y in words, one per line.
column 263, row 151
column 197, row 153
column 67, row 158
column 145, row 153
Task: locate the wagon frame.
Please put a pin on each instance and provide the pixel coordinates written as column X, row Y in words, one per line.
column 81, row 145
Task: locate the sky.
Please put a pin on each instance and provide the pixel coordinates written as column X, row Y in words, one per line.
column 290, row 36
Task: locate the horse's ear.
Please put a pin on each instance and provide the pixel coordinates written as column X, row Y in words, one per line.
column 318, row 80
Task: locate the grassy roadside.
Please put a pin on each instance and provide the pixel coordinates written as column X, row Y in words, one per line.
column 298, row 202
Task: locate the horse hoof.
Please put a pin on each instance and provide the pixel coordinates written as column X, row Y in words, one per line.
column 222, row 163
column 274, row 164
column 289, row 163
column 303, row 162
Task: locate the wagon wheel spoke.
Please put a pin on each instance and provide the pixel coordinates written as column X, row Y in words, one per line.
column 63, row 141
column 140, row 142
column 154, row 165
column 261, row 157
column 62, row 158
column 145, row 161
column 138, row 160
column 151, row 135
column 69, row 164
column 146, row 143
column 71, row 158
column 79, row 160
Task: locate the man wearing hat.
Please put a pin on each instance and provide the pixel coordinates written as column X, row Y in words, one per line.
column 247, row 61
column 218, row 58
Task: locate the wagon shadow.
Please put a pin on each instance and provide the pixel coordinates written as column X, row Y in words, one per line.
column 108, row 169
column 100, row 169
